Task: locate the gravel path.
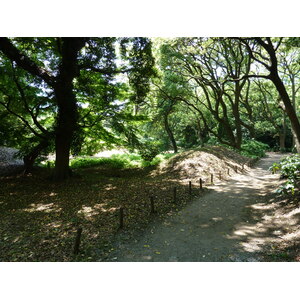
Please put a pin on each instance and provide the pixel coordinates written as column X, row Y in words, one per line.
column 217, row 226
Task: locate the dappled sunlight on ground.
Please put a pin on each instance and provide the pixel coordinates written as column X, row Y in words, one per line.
column 236, row 220
column 89, row 212
column 275, row 227
column 229, row 216
column 47, row 208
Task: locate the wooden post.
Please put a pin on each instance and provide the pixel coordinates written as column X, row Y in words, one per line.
column 77, row 241
column 190, row 188
column 174, row 194
column 228, row 172
column 211, row 178
column 220, row 175
column 200, row 183
column 121, row 217
column 152, row 205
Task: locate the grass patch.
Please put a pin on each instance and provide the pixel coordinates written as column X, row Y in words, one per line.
column 118, row 161
column 88, row 162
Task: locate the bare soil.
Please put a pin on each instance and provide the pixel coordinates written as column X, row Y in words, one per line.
column 237, row 220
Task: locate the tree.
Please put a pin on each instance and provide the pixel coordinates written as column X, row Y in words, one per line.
column 264, row 51
column 207, row 69
column 272, row 111
column 59, row 67
column 289, row 70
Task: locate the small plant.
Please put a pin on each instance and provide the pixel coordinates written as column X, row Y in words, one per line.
column 289, row 167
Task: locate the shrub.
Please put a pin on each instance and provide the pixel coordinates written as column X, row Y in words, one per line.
column 289, row 167
column 148, row 151
column 254, row 149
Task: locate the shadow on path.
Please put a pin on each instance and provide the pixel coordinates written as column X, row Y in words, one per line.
column 229, row 223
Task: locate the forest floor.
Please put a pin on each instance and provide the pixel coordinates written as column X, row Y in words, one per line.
column 228, row 221
column 238, row 220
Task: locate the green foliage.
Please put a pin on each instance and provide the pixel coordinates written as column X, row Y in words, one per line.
column 149, row 150
column 88, row 162
column 213, row 141
column 289, row 168
column 254, row 149
column 117, row 161
column 104, row 102
column 157, row 160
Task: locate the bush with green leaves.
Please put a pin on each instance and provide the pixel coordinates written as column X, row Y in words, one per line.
column 149, row 150
column 289, row 167
column 254, row 149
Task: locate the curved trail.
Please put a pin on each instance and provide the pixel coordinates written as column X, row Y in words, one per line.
column 218, row 226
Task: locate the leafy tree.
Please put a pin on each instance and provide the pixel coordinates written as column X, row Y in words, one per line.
column 264, row 52
column 67, row 72
column 203, row 68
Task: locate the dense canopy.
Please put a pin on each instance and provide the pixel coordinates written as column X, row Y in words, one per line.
column 82, row 95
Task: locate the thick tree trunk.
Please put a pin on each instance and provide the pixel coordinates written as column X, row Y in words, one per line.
column 66, row 126
column 62, row 150
column 296, row 142
column 170, row 133
column 224, row 125
column 67, row 107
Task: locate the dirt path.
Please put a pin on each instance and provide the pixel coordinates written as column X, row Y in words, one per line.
column 218, row 226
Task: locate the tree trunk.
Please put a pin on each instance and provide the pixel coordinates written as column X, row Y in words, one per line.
column 66, row 126
column 296, row 142
column 236, row 114
column 62, row 151
column 288, row 107
column 282, row 134
column 67, row 107
column 282, row 141
column 30, row 158
column 170, row 133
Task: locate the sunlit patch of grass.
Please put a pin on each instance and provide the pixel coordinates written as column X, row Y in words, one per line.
column 115, row 161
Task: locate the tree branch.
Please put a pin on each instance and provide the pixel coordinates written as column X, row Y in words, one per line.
column 24, row 61
column 6, row 106
column 23, row 97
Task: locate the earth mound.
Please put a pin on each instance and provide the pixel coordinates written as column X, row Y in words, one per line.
column 201, row 163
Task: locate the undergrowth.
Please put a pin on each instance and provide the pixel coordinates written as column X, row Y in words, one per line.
column 289, row 168
column 249, row 148
column 115, row 161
